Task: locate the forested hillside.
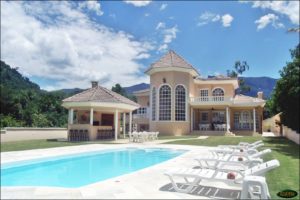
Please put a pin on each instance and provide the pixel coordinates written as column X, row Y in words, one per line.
column 23, row 103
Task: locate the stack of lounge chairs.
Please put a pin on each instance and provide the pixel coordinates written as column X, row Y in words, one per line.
column 235, row 165
column 143, row 136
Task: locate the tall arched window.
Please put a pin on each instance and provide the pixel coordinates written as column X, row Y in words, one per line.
column 180, row 101
column 218, row 94
column 153, row 104
column 165, row 103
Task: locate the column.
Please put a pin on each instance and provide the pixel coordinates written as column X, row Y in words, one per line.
column 254, row 120
column 116, row 124
column 91, row 116
column 227, row 119
column 130, row 122
column 192, row 119
column 124, row 124
column 71, row 113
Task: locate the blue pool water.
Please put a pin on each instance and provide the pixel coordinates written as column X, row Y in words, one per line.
column 82, row 169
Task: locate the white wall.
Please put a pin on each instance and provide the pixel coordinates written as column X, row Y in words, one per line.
column 291, row 134
column 21, row 134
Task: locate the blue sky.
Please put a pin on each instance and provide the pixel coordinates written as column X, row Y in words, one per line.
column 68, row 44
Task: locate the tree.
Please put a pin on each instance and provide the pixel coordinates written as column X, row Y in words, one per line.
column 239, row 68
column 285, row 97
column 118, row 89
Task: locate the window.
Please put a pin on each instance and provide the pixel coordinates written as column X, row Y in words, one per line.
column 165, row 103
column 244, row 120
column 180, row 103
column 218, row 117
column 218, row 94
column 204, row 117
column 153, row 104
column 142, row 110
column 204, row 95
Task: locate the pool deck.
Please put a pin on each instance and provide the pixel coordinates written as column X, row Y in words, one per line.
column 148, row 183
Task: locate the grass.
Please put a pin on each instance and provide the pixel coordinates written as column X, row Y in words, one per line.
column 287, row 152
column 42, row 144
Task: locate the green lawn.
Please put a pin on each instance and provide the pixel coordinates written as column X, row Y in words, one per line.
column 41, row 144
column 287, row 152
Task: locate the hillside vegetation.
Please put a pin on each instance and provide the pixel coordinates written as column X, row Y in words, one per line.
column 23, row 103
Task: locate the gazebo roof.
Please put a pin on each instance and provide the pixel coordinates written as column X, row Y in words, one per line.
column 100, row 94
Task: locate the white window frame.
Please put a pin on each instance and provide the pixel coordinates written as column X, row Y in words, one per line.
column 171, row 97
column 185, row 102
column 153, row 106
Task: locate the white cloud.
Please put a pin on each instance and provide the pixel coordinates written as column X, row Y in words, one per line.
column 267, row 19
column 287, row 8
column 92, row 5
column 169, row 34
column 160, row 25
column 208, row 17
column 57, row 40
column 163, row 6
column 138, row 3
column 226, row 20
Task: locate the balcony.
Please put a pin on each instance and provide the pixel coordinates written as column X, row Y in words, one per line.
column 211, row 100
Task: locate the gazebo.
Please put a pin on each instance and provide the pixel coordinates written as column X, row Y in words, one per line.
column 97, row 112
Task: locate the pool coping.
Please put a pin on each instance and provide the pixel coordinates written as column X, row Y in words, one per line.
column 137, row 184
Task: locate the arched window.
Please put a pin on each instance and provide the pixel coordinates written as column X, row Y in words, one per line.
column 165, row 103
column 180, row 100
column 153, row 104
column 218, row 94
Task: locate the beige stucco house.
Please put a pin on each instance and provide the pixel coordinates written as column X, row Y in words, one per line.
column 180, row 102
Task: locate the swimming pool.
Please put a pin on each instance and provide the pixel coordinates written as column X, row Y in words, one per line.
column 82, row 169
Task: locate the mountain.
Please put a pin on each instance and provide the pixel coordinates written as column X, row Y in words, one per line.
column 265, row 84
column 70, row 92
column 141, row 86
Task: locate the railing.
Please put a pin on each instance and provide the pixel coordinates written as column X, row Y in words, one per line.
column 143, row 115
column 143, row 112
column 211, row 99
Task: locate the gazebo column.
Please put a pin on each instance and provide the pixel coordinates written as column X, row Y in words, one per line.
column 227, row 119
column 254, row 120
column 71, row 113
column 130, row 122
column 91, row 116
column 116, row 124
column 124, row 124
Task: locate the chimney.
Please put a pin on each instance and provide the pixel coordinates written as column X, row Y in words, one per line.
column 94, row 84
column 260, row 95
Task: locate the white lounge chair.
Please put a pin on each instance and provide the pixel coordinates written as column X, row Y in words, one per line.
column 235, row 159
column 242, row 145
column 230, row 150
column 219, row 175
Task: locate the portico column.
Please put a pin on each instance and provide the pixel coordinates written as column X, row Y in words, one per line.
column 116, row 124
column 71, row 113
column 254, row 120
column 192, row 119
column 124, row 124
column 91, row 116
column 227, row 119
column 130, row 122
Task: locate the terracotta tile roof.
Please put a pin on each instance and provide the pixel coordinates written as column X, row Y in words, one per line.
column 171, row 59
column 100, row 94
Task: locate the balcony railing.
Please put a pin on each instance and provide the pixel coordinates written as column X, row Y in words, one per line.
column 142, row 113
column 211, row 100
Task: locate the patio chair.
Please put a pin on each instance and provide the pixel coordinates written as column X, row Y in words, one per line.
column 234, row 159
column 229, row 177
column 242, row 144
column 242, row 150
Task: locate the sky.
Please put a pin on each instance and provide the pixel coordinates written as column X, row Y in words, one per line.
column 67, row 44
